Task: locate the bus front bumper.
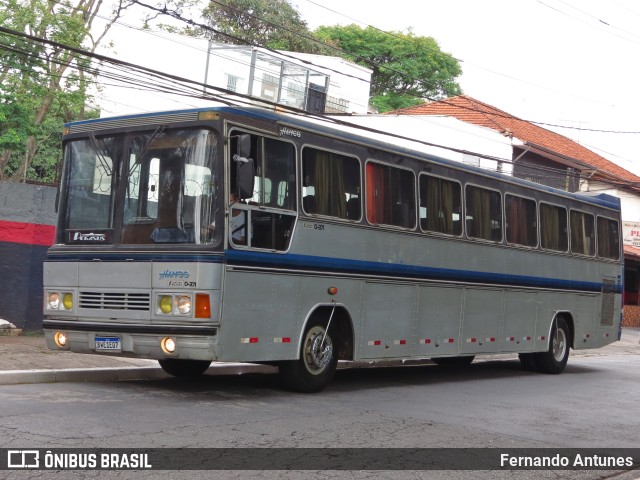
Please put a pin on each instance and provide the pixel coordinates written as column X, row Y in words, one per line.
column 135, row 341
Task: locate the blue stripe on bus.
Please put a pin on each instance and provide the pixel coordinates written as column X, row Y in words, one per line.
column 347, row 266
column 338, row 265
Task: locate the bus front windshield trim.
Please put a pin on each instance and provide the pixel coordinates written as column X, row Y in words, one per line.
column 142, row 188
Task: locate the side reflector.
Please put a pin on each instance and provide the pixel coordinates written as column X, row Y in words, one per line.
column 203, row 306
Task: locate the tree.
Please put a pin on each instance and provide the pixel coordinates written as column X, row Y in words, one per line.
column 268, row 23
column 406, row 68
column 44, row 85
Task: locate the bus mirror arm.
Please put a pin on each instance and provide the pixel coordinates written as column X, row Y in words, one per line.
column 328, row 325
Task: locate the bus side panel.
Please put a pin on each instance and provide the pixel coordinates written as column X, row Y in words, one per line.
column 387, row 327
column 519, row 322
column 586, row 309
column 438, row 321
column 257, row 317
column 482, row 317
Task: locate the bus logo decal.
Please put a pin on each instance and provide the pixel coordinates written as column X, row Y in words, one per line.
column 93, row 237
column 174, row 274
column 290, row 132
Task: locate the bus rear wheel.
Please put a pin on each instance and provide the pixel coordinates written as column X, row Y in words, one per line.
column 184, row 368
column 555, row 359
column 316, row 366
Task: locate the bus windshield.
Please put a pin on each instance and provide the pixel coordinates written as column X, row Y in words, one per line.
column 156, row 187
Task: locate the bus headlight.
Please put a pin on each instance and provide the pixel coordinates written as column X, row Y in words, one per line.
column 184, row 304
column 60, row 301
column 67, row 301
column 54, row 301
column 174, row 304
column 166, row 304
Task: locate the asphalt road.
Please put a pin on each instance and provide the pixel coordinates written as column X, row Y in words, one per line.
column 594, row 403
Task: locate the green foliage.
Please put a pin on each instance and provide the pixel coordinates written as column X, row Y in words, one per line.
column 405, row 66
column 394, row 101
column 14, row 122
column 268, row 23
column 42, row 86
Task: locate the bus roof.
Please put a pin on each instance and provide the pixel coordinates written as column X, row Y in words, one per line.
column 341, row 127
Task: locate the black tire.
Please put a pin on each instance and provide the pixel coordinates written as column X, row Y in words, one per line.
column 555, row 359
column 316, row 366
column 527, row 362
column 462, row 361
column 184, row 368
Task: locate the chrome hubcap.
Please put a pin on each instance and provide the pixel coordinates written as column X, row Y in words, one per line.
column 317, row 354
column 559, row 345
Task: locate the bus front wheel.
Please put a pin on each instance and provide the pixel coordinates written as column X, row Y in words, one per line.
column 316, row 366
column 555, row 358
column 184, row 368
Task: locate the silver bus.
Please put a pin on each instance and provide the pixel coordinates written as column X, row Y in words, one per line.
column 247, row 235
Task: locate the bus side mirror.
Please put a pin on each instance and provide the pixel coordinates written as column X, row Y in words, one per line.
column 245, row 167
column 245, row 175
column 244, row 145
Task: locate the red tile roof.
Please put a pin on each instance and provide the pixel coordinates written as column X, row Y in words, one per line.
column 473, row 111
column 632, row 252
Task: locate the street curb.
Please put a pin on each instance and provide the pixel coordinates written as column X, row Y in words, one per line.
column 81, row 375
column 116, row 374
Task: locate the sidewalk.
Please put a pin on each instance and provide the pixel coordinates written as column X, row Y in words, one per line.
column 26, row 359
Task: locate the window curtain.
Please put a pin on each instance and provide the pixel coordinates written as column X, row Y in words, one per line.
column 375, row 193
column 608, row 240
column 439, row 206
column 521, row 217
column 479, row 208
column 582, row 233
column 550, row 228
column 329, row 186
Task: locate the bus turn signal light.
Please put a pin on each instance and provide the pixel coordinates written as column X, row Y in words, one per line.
column 203, row 306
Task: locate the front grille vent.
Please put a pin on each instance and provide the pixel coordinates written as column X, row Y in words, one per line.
column 115, row 301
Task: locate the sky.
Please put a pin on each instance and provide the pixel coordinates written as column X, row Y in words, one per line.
column 558, row 62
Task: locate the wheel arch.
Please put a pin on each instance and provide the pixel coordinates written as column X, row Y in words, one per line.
column 568, row 318
column 341, row 327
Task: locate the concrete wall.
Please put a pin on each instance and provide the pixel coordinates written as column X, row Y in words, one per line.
column 27, row 219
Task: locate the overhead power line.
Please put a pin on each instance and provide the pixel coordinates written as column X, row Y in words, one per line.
column 176, row 15
column 128, row 73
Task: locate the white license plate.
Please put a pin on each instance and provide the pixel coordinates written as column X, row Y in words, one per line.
column 108, row 344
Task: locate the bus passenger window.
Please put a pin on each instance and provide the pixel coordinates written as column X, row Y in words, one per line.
column 582, row 233
column 553, row 228
column 484, row 214
column 440, row 205
column 608, row 239
column 390, row 196
column 331, row 184
column 521, row 221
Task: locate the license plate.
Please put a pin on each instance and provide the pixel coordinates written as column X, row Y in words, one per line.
column 108, row 344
